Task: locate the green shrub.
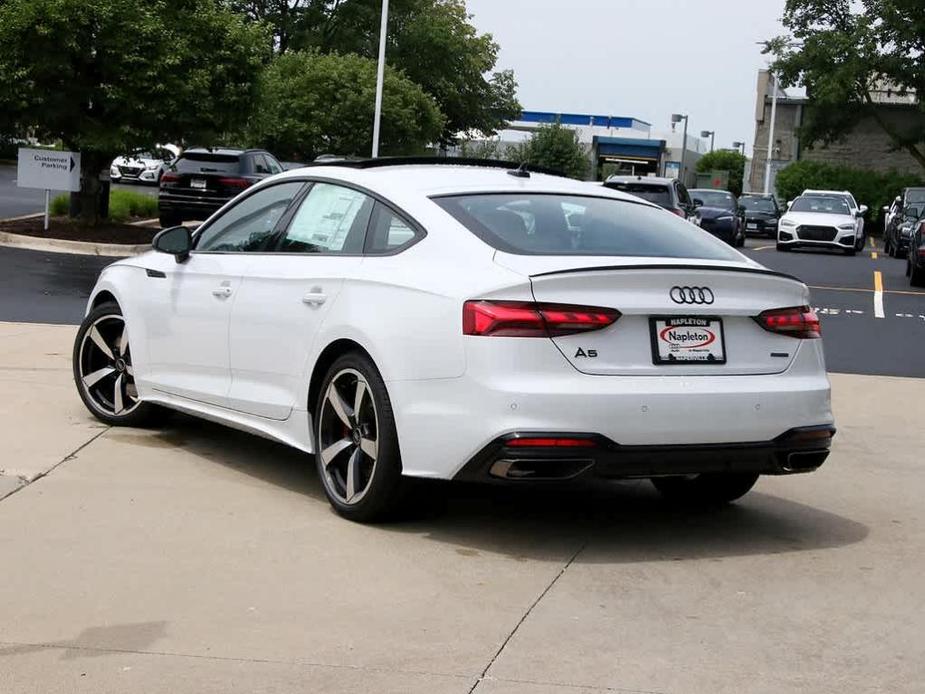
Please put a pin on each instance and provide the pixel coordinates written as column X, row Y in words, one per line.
column 725, row 160
column 868, row 187
column 123, row 205
column 555, row 147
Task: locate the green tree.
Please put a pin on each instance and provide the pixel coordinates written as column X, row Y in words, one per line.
column 431, row 41
column 107, row 77
column 725, row 160
column 554, row 147
column 312, row 104
column 846, row 53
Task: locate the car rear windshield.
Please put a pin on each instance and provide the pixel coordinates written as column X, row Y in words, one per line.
column 757, row 204
column 915, row 195
column 660, row 195
column 206, row 162
column 715, row 198
column 552, row 224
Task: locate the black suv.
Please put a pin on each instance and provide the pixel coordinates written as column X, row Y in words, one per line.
column 664, row 192
column 762, row 214
column 201, row 180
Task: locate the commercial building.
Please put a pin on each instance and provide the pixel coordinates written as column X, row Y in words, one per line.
column 866, row 146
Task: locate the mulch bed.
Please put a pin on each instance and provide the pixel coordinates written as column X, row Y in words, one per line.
column 69, row 230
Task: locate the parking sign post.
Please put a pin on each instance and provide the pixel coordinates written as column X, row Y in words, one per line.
column 50, row 170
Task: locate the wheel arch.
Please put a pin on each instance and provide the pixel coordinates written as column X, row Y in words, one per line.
column 328, row 356
column 103, row 296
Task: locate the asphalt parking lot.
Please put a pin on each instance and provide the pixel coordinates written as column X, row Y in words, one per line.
column 197, row 559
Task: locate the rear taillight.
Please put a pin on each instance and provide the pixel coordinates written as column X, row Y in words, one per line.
column 526, row 319
column 234, row 182
column 799, row 321
column 169, row 178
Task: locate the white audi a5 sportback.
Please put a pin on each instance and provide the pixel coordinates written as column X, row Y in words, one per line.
column 465, row 321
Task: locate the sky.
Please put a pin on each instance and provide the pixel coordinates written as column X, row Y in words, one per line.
column 641, row 58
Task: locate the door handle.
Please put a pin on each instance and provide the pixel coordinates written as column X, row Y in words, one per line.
column 315, row 298
column 222, row 292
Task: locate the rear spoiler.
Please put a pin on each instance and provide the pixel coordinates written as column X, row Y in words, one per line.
column 669, row 266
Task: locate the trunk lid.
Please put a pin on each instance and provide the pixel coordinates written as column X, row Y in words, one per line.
column 643, row 289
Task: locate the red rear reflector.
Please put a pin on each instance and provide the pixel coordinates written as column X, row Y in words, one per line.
column 234, row 182
column 549, row 442
column 169, row 178
column 799, row 321
column 526, row 319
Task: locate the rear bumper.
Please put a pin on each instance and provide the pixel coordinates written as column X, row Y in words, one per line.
column 189, row 205
column 801, row 449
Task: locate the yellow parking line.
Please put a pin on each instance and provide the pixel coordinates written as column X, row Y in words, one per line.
column 878, row 294
column 873, row 255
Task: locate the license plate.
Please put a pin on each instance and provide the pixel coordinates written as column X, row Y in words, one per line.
column 198, row 183
column 688, row 340
column 751, row 226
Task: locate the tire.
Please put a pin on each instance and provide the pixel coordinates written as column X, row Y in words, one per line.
column 887, row 249
column 850, row 252
column 170, row 219
column 103, row 374
column 783, row 248
column 350, row 437
column 908, row 267
column 916, row 276
column 706, row 489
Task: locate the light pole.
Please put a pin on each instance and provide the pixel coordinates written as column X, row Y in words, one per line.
column 739, row 145
column 677, row 118
column 711, row 134
column 380, row 76
column 767, row 163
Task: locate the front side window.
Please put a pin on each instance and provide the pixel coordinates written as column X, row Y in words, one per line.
column 248, row 226
column 550, row 224
column 331, row 219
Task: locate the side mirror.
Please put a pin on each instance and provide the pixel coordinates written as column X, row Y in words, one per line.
column 698, row 202
column 862, row 210
column 898, row 199
column 885, row 208
column 177, row 241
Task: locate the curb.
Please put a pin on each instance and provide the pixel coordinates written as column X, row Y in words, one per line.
column 37, row 243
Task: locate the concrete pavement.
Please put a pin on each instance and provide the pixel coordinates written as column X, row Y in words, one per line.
column 197, row 559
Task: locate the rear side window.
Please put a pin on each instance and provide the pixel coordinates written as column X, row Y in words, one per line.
column 660, row 195
column 332, row 220
column 548, row 224
column 388, row 232
column 206, row 162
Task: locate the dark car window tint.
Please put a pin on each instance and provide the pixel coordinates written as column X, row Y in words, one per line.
column 274, row 166
column 206, row 162
column 715, row 198
column 915, row 196
column 260, row 165
column 388, row 231
column 249, row 225
column 758, row 204
column 538, row 224
column 331, row 219
column 659, row 194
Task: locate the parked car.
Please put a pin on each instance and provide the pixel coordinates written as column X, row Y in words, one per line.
column 897, row 239
column 857, row 211
column 669, row 193
column 143, row 166
column 915, row 258
column 201, row 180
column 762, row 214
column 821, row 221
column 720, row 214
column 398, row 319
column 909, row 198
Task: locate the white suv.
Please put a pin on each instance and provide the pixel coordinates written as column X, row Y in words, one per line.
column 819, row 220
column 858, row 211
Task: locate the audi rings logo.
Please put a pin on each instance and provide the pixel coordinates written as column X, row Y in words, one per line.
column 692, row 295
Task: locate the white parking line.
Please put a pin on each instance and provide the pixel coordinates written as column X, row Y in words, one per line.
column 878, row 295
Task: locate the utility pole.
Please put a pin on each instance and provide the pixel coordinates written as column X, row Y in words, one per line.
column 711, row 134
column 380, row 77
